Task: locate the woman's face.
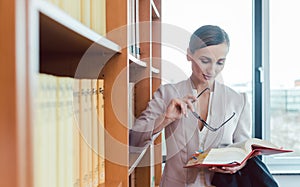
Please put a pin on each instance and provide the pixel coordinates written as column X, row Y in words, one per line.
column 208, row 62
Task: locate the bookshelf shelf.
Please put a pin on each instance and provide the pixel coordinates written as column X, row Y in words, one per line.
column 155, row 11
column 62, row 35
column 135, row 157
column 65, row 23
column 134, row 62
column 154, row 70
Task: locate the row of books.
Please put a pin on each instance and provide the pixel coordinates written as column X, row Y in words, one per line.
column 91, row 13
column 69, row 132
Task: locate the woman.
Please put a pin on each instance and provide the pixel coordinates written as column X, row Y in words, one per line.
column 172, row 106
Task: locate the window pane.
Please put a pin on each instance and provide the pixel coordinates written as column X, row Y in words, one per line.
column 285, row 77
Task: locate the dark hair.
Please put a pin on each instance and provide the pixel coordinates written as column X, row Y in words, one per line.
column 207, row 35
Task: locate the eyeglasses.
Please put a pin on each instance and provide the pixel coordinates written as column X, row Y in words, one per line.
column 204, row 122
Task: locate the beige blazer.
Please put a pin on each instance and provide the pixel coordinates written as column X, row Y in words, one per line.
column 182, row 135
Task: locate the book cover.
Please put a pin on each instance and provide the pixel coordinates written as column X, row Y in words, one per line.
column 235, row 154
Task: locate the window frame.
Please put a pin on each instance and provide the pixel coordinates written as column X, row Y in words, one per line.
column 261, row 88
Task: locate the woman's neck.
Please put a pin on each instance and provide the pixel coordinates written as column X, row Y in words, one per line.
column 201, row 85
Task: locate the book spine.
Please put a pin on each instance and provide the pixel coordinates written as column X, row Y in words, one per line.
column 40, row 134
column 86, row 12
column 131, row 105
column 95, row 133
column 60, row 133
column 71, row 7
column 76, row 133
column 68, row 121
column 98, row 16
column 85, row 129
column 53, row 131
column 101, row 130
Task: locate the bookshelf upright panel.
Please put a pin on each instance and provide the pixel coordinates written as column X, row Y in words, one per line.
column 115, row 75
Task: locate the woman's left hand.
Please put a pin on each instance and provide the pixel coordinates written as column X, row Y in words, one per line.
column 230, row 170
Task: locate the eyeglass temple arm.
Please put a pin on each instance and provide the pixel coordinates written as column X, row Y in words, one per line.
column 202, row 92
column 226, row 121
column 228, row 118
column 204, row 122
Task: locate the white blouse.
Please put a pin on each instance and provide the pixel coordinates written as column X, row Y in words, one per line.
column 201, row 179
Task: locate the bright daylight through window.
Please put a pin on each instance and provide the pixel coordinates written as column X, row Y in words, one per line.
column 284, row 108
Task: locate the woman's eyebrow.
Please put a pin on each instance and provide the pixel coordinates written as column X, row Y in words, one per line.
column 222, row 59
column 207, row 58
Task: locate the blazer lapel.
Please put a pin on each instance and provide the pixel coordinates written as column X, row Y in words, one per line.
column 191, row 121
column 217, row 116
column 189, row 133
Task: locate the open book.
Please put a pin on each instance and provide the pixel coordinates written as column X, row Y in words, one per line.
column 234, row 154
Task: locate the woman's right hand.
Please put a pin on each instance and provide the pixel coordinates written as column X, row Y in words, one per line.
column 179, row 106
column 175, row 110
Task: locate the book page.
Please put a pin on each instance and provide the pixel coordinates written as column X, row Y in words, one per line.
column 225, row 156
column 259, row 142
column 247, row 145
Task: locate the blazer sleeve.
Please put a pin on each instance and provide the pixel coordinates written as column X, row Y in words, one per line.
column 142, row 131
column 244, row 124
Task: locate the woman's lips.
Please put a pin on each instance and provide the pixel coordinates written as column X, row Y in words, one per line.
column 207, row 77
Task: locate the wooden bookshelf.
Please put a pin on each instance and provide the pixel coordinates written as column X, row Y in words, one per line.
column 53, row 49
column 63, row 38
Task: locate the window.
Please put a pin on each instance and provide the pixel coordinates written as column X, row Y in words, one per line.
column 283, row 106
